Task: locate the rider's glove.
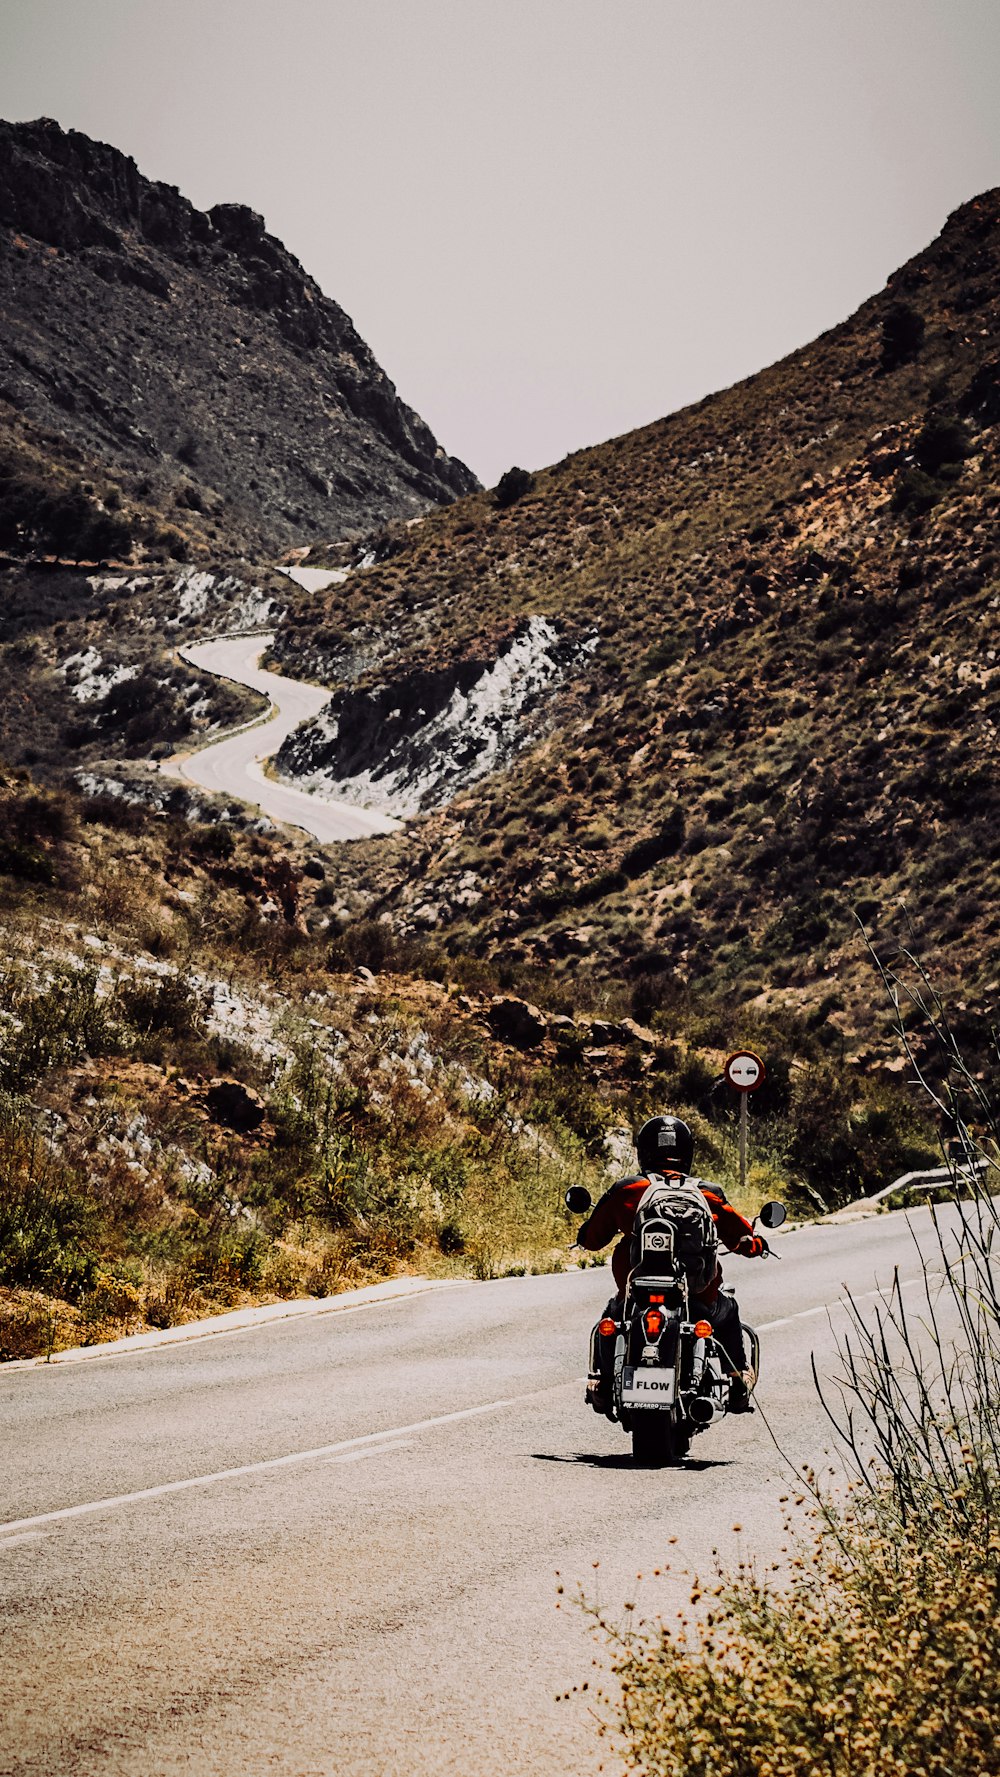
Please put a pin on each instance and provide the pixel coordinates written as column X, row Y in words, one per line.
column 751, row 1247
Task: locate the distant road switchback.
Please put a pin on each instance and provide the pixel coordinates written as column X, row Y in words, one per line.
column 233, row 765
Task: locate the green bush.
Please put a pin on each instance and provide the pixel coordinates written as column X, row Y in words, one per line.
column 665, row 842
column 47, row 1221
column 160, row 1006
column 915, row 492
column 375, row 945
column 38, row 514
column 25, row 862
column 54, row 1025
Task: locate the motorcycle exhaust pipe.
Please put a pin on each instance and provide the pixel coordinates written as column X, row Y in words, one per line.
column 701, row 1410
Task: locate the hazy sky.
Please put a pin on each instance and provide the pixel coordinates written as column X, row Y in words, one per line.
column 552, row 220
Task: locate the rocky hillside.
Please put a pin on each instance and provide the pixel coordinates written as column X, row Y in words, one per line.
column 777, row 699
column 206, row 1101
column 179, row 377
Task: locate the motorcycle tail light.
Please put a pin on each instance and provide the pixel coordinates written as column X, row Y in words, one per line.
column 652, row 1320
column 703, row 1329
column 657, row 1298
column 606, row 1327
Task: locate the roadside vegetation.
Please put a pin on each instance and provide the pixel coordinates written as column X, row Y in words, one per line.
column 218, row 1087
column 873, row 1648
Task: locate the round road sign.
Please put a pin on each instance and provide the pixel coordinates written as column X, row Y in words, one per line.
column 745, row 1071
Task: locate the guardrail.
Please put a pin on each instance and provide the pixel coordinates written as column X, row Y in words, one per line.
column 929, row 1179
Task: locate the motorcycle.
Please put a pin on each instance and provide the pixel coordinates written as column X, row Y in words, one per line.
column 670, row 1378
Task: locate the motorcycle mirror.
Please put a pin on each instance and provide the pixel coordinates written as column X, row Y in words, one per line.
column 772, row 1214
column 578, row 1200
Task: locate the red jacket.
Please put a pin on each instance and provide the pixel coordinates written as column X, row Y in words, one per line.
column 616, row 1212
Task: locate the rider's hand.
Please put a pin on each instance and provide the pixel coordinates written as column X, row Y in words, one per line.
column 752, row 1247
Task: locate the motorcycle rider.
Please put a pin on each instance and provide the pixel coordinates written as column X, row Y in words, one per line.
column 665, row 1145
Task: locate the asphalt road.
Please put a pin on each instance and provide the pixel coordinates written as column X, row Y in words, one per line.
column 233, row 765
column 373, row 1590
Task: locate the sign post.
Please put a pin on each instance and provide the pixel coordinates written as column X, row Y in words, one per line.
column 745, row 1072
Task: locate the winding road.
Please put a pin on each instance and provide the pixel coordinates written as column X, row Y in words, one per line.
column 233, row 765
column 328, row 1546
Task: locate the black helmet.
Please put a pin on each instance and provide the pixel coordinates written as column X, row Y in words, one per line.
column 664, row 1144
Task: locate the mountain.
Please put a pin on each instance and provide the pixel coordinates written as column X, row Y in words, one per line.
column 186, row 369
column 665, row 720
column 758, row 693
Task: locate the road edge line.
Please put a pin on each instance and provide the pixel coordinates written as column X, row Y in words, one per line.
column 321, row 1453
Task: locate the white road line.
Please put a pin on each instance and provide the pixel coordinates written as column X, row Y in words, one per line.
column 770, row 1326
column 376, row 1450
column 276, row 1462
column 28, row 1536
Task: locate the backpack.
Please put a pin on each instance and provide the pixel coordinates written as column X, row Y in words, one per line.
column 693, row 1237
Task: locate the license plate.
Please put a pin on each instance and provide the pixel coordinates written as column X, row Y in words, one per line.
column 648, row 1388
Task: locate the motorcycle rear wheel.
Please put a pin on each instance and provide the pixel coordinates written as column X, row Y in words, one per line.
column 658, row 1441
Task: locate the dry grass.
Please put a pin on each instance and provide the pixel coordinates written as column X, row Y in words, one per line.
column 144, row 961
column 880, row 1659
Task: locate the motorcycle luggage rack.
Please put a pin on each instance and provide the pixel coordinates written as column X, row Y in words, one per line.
column 657, row 1237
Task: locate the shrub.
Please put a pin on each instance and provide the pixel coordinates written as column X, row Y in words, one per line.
column 646, row 853
column 880, row 1660
column 156, row 1006
column 37, row 513
column 109, row 534
column 35, row 817
column 32, row 1323
column 213, row 842
column 55, row 1024
column 849, row 1135
column 25, row 862
column 512, row 486
column 915, row 492
column 374, row 945
column 143, row 709
column 940, row 441
column 903, row 331
column 108, row 810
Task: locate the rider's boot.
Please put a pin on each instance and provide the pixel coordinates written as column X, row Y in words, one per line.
column 739, row 1392
column 595, row 1396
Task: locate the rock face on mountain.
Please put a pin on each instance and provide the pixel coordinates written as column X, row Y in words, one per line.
column 412, row 743
column 187, row 356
